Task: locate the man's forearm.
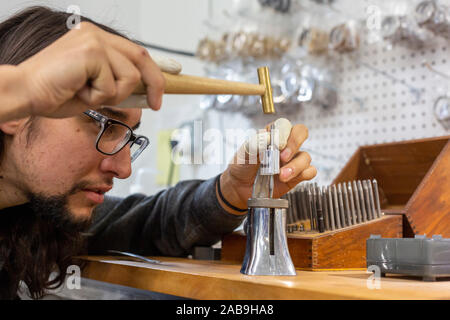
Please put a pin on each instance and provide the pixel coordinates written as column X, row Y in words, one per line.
column 230, row 193
column 13, row 95
column 171, row 222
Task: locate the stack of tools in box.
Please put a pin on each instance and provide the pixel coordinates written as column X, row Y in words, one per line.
column 320, row 209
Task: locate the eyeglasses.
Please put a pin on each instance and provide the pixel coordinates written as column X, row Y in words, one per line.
column 115, row 135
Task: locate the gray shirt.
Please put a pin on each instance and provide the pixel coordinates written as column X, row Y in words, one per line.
column 170, row 223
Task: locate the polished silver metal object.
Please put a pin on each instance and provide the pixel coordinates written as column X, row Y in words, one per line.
column 304, row 206
column 352, row 202
column 403, row 29
column 320, row 215
column 314, row 207
column 434, row 17
column 372, row 200
column 325, row 208
column 135, row 256
column 330, row 208
column 341, row 207
column 367, row 200
column 266, row 250
column 347, row 205
column 357, row 202
column 362, row 201
column 377, row 197
column 336, row 208
column 442, row 111
column 298, row 199
column 311, row 209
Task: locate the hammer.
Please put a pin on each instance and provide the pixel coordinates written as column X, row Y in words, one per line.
column 186, row 84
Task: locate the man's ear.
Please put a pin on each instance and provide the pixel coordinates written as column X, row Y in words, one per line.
column 12, row 127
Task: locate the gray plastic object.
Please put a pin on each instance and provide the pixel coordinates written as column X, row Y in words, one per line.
column 420, row 256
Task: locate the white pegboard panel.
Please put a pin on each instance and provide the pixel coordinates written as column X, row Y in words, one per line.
column 397, row 91
column 397, row 94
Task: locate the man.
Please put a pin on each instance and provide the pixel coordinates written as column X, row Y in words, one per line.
column 57, row 160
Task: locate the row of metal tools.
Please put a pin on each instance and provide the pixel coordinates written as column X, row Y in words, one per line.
column 326, row 208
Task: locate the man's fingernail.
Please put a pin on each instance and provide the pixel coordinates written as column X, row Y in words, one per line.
column 286, row 153
column 286, row 172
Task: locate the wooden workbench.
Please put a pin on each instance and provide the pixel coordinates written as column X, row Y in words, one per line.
column 220, row 280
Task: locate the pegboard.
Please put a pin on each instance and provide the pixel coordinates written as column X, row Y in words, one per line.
column 386, row 93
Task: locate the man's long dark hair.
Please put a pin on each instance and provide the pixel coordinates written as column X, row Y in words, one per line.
column 38, row 239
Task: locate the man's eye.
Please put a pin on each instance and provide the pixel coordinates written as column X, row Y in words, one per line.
column 109, row 131
column 115, row 131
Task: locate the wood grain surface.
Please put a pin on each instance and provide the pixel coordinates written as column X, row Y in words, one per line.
column 187, row 84
column 428, row 210
column 222, row 280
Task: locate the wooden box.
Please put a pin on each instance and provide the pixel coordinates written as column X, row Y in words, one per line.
column 413, row 179
column 414, row 185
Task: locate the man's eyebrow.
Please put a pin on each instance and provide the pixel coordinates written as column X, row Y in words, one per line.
column 136, row 126
column 114, row 114
column 118, row 115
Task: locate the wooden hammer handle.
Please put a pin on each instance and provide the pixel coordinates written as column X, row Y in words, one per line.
column 185, row 84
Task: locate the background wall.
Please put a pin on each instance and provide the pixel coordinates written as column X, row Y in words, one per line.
column 385, row 78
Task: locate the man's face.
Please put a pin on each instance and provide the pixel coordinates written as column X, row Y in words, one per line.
column 58, row 157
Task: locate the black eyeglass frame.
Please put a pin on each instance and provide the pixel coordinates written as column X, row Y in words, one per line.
column 105, row 122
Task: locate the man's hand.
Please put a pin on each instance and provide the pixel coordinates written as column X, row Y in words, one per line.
column 87, row 68
column 236, row 181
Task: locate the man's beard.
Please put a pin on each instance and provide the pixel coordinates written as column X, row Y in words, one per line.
column 40, row 238
column 55, row 210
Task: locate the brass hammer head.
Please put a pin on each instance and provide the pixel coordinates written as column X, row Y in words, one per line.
column 266, row 98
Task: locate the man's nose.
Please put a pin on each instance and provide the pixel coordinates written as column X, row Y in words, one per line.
column 119, row 164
